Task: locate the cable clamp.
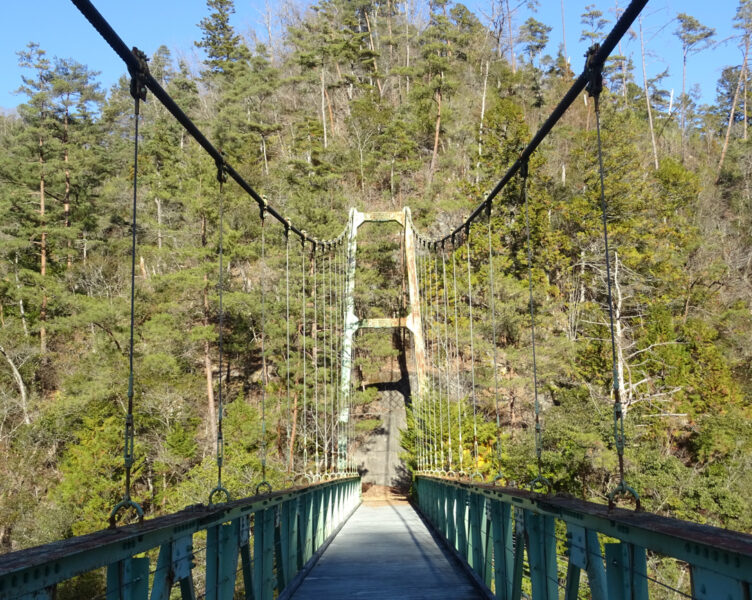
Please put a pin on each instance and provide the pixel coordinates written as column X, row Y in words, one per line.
column 524, row 169
column 594, row 73
column 138, row 78
column 221, row 168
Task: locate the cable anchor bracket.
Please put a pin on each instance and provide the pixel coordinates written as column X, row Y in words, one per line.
column 138, row 77
column 594, row 73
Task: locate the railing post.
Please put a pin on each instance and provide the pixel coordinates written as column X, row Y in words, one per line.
column 501, row 519
column 222, row 560
column 174, row 564
column 128, row 579
column 474, row 553
column 460, row 512
column 294, row 559
column 486, row 540
column 626, row 572
column 451, row 493
column 708, row 585
column 541, row 554
column 330, row 512
column 285, row 565
column 263, row 554
column 318, row 519
column 246, row 566
column 519, row 553
column 584, row 554
column 280, row 549
column 306, row 527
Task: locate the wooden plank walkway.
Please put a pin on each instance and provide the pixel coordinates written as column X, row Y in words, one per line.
column 386, row 551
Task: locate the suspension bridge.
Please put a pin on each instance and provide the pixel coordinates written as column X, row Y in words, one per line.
column 462, row 536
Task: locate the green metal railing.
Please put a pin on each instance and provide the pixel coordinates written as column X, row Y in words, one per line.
column 523, row 544
column 274, row 535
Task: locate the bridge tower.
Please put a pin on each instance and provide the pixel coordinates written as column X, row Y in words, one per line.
column 412, row 322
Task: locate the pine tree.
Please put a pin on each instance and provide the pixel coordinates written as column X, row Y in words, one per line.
column 77, row 99
column 223, row 46
column 694, row 37
column 39, row 144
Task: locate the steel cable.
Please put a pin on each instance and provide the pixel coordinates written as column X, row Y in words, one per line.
column 472, row 353
column 492, row 307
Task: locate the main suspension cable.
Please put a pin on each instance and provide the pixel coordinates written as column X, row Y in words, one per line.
column 602, row 52
column 133, row 63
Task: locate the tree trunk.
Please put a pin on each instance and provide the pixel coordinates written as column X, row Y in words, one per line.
column 22, row 312
column 211, row 411
column 158, row 202
column 43, row 254
column 389, row 31
column 373, row 50
column 21, row 387
column 263, row 151
column 362, row 175
column 683, row 105
column 293, row 434
column 407, row 46
column 391, row 181
column 66, row 197
column 436, row 132
column 742, row 75
column 480, row 127
column 744, row 112
column 511, row 39
column 647, row 97
column 329, row 107
column 623, row 74
column 323, row 106
column 564, row 34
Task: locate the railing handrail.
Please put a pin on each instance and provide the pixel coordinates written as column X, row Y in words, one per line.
column 100, row 548
column 702, row 545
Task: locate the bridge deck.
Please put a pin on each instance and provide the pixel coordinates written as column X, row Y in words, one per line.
column 386, row 551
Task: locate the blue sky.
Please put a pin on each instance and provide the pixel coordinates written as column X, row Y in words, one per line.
column 62, row 31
